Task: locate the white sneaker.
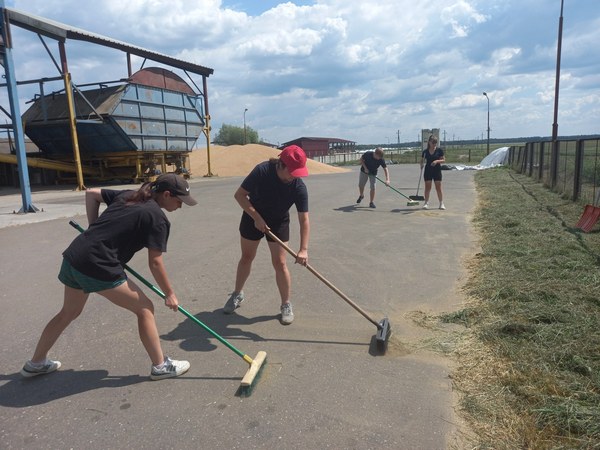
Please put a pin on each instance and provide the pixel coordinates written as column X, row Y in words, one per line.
column 442, row 206
column 33, row 370
column 425, row 206
column 287, row 315
column 234, row 302
column 170, row 368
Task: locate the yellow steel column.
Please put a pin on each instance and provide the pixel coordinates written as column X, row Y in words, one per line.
column 73, row 127
column 207, row 134
column 72, row 123
column 207, row 126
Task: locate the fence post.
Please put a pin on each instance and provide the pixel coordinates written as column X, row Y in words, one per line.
column 541, row 167
column 529, row 153
column 554, row 163
column 578, row 169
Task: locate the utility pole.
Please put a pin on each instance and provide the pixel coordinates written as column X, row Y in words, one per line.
column 554, row 161
column 488, row 123
column 245, row 125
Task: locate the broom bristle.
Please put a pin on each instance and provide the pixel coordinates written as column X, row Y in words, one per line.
column 252, row 375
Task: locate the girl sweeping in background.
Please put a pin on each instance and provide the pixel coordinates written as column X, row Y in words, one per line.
column 432, row 158
column 95, row 260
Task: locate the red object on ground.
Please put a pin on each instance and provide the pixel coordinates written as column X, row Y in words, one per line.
column 588, row 219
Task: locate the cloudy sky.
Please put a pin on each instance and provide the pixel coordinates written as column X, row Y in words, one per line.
column 367, row 71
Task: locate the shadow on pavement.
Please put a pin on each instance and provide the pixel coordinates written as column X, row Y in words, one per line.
column 21, row 392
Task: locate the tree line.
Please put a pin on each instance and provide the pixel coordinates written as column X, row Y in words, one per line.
column 232, row 135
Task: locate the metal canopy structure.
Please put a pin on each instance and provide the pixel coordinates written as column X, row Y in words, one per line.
column 61, row 33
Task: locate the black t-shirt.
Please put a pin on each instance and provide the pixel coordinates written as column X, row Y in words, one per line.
column 270, row 196
column 371, row 163
column 120, row 231
column 430, row 157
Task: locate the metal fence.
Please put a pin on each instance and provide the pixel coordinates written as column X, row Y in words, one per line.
column 575, row 174
column 344, row 158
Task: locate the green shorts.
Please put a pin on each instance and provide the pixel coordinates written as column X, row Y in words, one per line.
column 76, row 280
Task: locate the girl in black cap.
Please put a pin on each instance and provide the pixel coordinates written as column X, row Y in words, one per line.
column 94, row 262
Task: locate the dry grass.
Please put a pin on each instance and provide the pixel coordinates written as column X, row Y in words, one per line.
column 526, row 344
column 529, row 359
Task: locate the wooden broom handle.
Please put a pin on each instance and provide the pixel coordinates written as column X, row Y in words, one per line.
column 324, row 280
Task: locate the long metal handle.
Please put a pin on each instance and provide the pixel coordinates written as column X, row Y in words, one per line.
column 324, row 280
column 419, row 183
column 393, row 188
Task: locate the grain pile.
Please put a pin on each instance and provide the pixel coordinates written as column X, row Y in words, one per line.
column 239, row 160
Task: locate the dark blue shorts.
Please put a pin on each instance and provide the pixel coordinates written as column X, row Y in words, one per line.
column 76, row 280
column 433, row 173
column 280, row 228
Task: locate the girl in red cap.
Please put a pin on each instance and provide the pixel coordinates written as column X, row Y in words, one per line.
column 266, row 195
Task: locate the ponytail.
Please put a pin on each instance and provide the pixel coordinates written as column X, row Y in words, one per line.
column 142, row 195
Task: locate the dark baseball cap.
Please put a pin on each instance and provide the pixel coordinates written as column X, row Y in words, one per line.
column 176, row 185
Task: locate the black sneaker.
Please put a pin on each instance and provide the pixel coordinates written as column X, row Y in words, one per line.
column 371, row 205
column 359, row 199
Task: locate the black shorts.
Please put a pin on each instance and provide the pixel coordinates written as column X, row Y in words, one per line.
column 280, row 228
column 433, row 173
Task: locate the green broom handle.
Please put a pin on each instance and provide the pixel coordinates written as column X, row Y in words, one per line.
column 163, row 296
column 392, row 188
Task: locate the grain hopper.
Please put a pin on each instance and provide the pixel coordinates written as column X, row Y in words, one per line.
column 131, row 129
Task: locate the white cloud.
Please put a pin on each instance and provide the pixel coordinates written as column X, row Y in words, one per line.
column 354, row 70
column 460, row 15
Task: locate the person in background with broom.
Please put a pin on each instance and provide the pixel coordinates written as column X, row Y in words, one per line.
column 432, row 158
column 95, row 260
column 266, row 195
column 369, row 163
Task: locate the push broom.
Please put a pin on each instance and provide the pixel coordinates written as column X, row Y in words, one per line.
column 255, row 364
column 417, row 196
column 384, row 329
column 410, row 202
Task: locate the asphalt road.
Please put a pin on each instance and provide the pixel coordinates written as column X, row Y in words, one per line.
column 324, row 386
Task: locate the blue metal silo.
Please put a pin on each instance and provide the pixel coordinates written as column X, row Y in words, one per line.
column 154, row 114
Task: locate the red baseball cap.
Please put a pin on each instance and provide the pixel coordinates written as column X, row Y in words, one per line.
column 294, row 159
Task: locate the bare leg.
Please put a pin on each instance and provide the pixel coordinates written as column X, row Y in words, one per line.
column 362, row 182
column 372, row 184
column 282, row 274
column 129, row 296
column 74, row 301
column 438, row 190
column 427, row 190
column 245, row 263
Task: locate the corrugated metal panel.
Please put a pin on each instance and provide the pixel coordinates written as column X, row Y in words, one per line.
column 54, row 138
column 132, row 117
column 104, row 100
